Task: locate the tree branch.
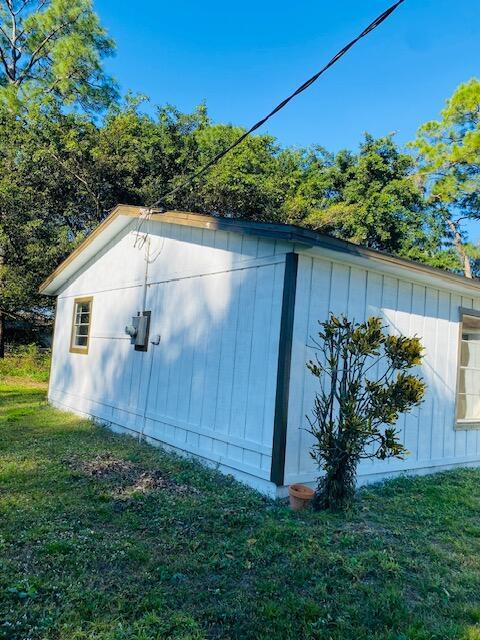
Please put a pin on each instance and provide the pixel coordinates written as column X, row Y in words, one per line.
column 89, row 190
column 458, row 244
column 4, row 62
column 5, row 35
column 22, row 7
column 36, row 54
column 15, row 52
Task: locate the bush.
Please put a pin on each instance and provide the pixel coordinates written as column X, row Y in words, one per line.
column 364, row 388
column 26, row 361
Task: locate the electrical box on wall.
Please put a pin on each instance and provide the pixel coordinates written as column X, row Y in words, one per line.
column 139, row 329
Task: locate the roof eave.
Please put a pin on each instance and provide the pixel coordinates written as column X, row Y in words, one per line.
column 305, row 240
column 51, row 285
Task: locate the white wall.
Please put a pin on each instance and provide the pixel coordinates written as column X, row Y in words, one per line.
column 428, row 311
column 208, row 388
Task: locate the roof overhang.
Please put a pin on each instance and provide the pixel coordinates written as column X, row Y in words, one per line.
column 305, row 241
column 121, row 216
column 117, row 220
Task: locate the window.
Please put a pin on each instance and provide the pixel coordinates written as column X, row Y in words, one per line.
column 468, row 396
column 82, row 320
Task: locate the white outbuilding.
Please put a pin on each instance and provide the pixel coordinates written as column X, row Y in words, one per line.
column 193, row 331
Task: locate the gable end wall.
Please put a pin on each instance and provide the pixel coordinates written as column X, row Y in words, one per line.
column 208, row 389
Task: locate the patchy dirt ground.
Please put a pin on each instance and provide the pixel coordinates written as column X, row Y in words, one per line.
column 105, row 465
column 128, row 477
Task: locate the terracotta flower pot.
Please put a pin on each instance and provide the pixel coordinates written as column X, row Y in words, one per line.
column 300, row 495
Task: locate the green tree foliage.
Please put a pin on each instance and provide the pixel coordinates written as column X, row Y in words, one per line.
column 142, row 156
column 51, row 55
column 46, row 204
column 62, row 172
column 370, row 198
column 449, row 160
column 146, row 157
column 63, row 167
column 53, row 49
column 364, row 386
column 246, row 182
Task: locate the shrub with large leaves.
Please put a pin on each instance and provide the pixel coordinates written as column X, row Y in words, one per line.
column 364, row 387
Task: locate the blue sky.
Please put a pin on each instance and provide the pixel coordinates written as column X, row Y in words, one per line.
column 244, row 57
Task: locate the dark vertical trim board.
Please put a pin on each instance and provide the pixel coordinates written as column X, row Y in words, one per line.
column 283, row 371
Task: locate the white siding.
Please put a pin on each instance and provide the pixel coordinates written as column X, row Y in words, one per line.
column 208, row 388
column 428, row 432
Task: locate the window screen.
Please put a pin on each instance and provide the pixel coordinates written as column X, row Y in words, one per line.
column 82, row 319
column 468, row 401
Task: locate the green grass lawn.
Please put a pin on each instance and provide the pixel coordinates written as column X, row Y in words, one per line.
column 102, row 538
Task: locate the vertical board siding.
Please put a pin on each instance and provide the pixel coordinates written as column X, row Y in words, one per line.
column 260, row 345
column 209, row 386
column 428, row 432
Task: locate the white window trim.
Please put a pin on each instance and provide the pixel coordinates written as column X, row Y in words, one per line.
column 463, row 425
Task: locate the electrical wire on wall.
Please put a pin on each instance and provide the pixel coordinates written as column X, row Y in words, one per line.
column 149, row 259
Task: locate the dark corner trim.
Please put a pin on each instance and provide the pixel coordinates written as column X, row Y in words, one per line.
column 283, row 371
column 463, row 311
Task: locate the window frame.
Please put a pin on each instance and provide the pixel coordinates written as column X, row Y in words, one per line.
column 463, row 425
column 73, row 347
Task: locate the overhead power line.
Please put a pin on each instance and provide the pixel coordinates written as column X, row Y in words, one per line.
column 373, row 25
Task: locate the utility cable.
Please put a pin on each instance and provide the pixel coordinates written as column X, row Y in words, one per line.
column 373, row 25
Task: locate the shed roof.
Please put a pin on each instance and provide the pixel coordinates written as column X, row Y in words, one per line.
column 303, row 239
